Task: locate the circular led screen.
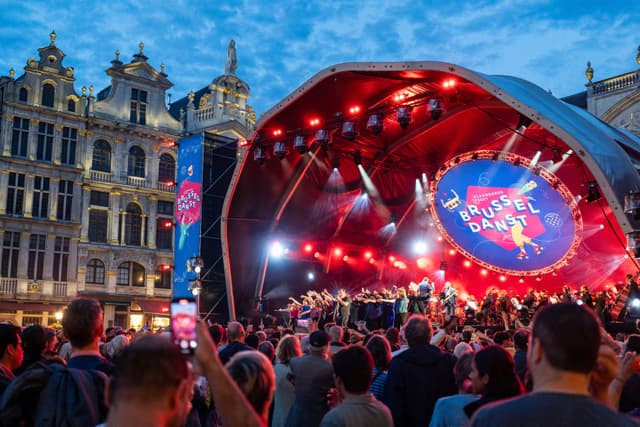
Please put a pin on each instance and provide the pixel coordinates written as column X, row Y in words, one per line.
column 505, row 213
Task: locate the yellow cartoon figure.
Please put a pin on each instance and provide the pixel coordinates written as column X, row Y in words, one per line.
column 519, row 238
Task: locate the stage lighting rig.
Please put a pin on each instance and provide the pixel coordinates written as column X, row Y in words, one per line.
column 403, row 115
column 259, row 154
column 593, row 193
column 300, row 144
column 280, row 150
column 374, row 124
column 322, row 138
column 357, row 157
column 632, row 205
column 434, row 106
column 349, row 130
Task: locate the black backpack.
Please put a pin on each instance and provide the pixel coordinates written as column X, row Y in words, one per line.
column 52, row 395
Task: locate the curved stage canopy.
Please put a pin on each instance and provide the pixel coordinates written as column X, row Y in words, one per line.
column 296, row 221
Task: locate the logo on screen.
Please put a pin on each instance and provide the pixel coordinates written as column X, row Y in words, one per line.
column 505, row 213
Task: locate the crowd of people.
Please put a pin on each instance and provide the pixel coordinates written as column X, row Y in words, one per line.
column 561, row 370
column 384, row 308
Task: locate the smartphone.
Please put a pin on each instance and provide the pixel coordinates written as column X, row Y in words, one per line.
column 184, row 315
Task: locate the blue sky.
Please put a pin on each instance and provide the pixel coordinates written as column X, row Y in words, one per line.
column 280, row 44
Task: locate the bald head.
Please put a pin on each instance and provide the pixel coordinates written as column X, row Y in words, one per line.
column 235, row 331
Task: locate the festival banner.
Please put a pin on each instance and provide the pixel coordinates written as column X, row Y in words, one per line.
column 188, row 211
column 505, row 215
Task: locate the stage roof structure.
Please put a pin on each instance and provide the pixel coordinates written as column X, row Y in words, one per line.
column 402, row 122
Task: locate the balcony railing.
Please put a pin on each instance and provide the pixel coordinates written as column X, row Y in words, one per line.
column 169, row 187
column 137, row 181
column 8, row 286
column 100, row 176
column 615, row 83
column 59, row 289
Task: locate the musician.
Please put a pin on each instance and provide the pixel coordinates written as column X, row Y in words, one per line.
column 627, row 295
column 601, row 306
column 585, row 296
column 448, row 297
column 567, row 295
column 425, row 289
column 344, row 301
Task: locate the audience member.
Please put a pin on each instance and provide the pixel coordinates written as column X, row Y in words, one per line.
column 252, row 341
column 151, row 385
column 235, row 332
column 253, row 373
column 449, row 410
column 630, row 393
column 11, row 353
column 493, row 377
column 562, row 356
column 217, row 332
column 521, row 343
column 336, row 333
column 353, row 367
column 393, row 336
column 266, row 348
column 288, row 348
column 381, row 354
column 418, row 376
column 34, row 343
column 312, row 377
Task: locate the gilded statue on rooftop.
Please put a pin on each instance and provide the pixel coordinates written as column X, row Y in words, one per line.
column 232, row 60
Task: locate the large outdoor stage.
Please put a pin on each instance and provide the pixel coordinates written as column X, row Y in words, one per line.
column 371, row 175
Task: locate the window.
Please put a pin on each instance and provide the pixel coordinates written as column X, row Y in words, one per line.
column 165, row 208
column 65, row 198
column 130, row 274
column 20, row 137
column 40, row 207
column 101, row 156
column 15, row 194
column 167, row 169
column 98, row 220
column 71, row 106
column 133, row 225
column 68, row 149
column 163, row 277
column 164, row 233
column 45, row 141
column 138, row 113
column 136, row 162
column 99, row 198
column 95, row 272
column 48, row 95
column 23, row 94
column 10, row 254
column 61, row 259
column 35, row 265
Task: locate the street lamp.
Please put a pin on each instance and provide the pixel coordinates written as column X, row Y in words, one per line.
column 58, row 316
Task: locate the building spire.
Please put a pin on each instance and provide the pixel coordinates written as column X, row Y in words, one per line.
column 52, row 38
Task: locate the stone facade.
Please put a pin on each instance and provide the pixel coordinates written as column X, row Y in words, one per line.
column 88, row 188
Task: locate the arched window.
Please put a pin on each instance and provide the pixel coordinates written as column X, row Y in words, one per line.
column 130, row 274
column 48, row 95
column 95, row 272
column 23, row 94
column 71, row 106
column 167, row 169
column 101, row 156
column 133, row 225
column 136, row 162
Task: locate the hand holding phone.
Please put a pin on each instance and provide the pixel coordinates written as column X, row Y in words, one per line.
column 184, row 316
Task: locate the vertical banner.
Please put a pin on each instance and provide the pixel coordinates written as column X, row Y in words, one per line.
column 188, row 213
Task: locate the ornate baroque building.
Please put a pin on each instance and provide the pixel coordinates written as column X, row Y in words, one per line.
column 615, row 100
column 88, row 200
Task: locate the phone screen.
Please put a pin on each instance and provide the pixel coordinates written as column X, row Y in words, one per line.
column 183, row 324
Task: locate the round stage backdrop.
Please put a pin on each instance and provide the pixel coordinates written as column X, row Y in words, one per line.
column 506, row 213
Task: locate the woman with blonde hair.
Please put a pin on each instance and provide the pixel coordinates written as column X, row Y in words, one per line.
column 253, row 373
column 287, row 349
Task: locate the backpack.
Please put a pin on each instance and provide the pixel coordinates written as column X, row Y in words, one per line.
column 54, row 396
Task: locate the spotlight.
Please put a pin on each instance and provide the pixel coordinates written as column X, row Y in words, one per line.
column 632, row 204
column 635, row 303
column 368, row 255
column 300, row 144
column 195, row 287
column 467, row 263
column 349, row 130
column 434, row 107
column 277, row 250
column 308, row 248
column 593, row 193
column 403, row 115
column 335, row 162
column 314, row 122
column 633, row 243
column 374, row 124
column 259, row 155
column 310, row 276
column 419, row 247
column 280, row 150
column 196, row 264
column 322, row 138
column 357, row 157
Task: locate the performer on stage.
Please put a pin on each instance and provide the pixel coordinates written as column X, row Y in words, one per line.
column 448, row 298
column 425, row 289
column 343, row 301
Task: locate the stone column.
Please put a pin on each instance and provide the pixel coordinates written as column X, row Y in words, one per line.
column 143, row 231
column 48, row 257
column 114, row 217
column 77, row 210
column 123, row 221
column 54, row 188
column 28, row 195
column 84, row 214
column 4, row 183
column 5, row 137
column 72, row 275
column 57, row 143
column 33, row 139
column 153, row 221
column 24, row 256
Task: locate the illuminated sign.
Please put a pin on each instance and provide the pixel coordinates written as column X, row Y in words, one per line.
column 504, row 214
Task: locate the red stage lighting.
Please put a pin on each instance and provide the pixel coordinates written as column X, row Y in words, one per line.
column 484, row 272
column 277, row 132
column 467, row 263
column 165, row 267
column 372, row 261
column 308, row 248
column 354, row 109
column 314, row 122
column 439, row 238
column 316, row 255
column 368, row 255
column 503, row 278
column 345, row 258
column 242, row 142
column 337, row 252
column 452, row 252
column 449, row 83
column 167, row 224
column 392, row 258
column 400, row 97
